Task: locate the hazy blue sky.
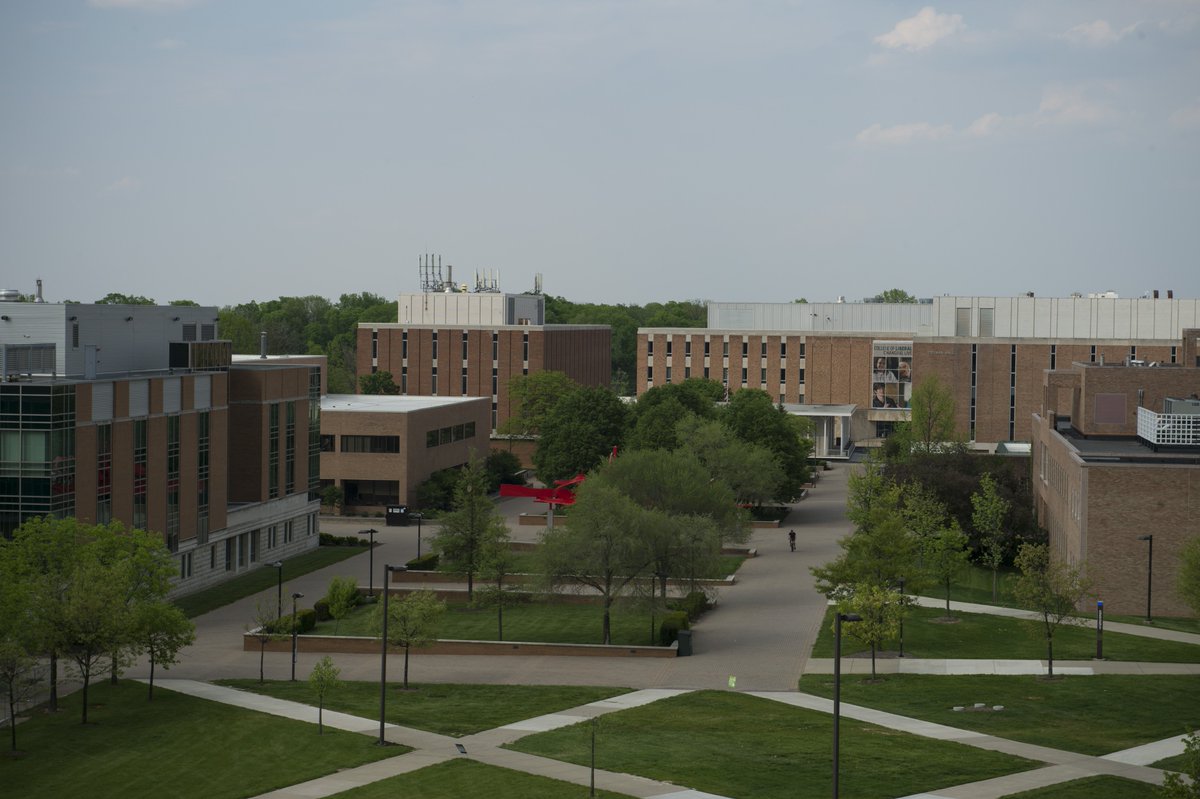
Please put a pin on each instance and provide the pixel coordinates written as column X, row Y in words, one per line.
column 630, row 151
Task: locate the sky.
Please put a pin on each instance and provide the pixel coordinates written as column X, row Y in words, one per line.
column 629, row 151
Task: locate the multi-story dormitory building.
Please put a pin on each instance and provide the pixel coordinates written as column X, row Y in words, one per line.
column 851, row 367
column 136, row 413
column 470, row 344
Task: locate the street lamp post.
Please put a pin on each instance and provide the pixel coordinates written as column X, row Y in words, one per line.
column 1099, row 629
column 1149, row 539
column 901, row 617
column 419, row 516
column 837, row 687
column 387, row 570
column 279, row 592
column 295, row 628
column 370, row 561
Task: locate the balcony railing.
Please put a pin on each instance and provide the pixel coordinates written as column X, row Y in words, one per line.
column 1168, row 429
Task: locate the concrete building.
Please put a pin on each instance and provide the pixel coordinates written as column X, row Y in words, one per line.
column 378, row 449
column 135, row 413
column 851, row 367
column 1116, row 456
column 459, row 344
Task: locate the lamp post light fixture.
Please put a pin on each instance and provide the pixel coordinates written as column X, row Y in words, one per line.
column 1099, row 629
column 901, row 617
column 1149, row 539
column 419, row 517
column 295, row 628
column 387, row 570
column 279, row 592
column 837, row 686
column 370, row 561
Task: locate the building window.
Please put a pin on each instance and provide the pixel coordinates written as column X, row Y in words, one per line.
column 725, row 348
column 464, row 382
column 371, row 444
column 404, row 344
column 525, row 347
column 495, row 347
column 288, row 531
column 743, row 377
column 273, row 450
column 962, row 321
column 433, row 345
column 687, row 347
column 328, row 443
column 707, row 344
column 403, row 379
column 649, row 345
column 745, row 348
column 74, row 335
column 762, row 377
column 271, row 533
column 782, row 349
column 987, row 322
column 103, row 473
column 1053, row 354
column 649, row 374
column 185, row 566
column 212, row 558
column 783, row 375
column 374, row 344
column 229, row 562
column 173, row 483
column 189, row 331
column 139, row 473
column 433, row 380
column 763, row 353
column 464, row 348
column 668, row 347
column 202, row 477
column 668, row 374
column 290, row 449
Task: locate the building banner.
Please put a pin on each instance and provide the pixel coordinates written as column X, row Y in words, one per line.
column 891, row 374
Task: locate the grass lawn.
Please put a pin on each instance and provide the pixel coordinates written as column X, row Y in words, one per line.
column 527, row 562
column 1092, row 787
column 1162, row 622
column 1093, row 715
column 176, row 746
column 546, row 621
column 1173, row 763
column 457, row 778
column 447, row 709
column 260, row 579
column 979, row 635
column 974, row 584
column 736, row 745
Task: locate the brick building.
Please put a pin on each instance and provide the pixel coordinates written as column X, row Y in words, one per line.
column 135, row 413
column 852, row 366
column 459, row 344
column 1116, row 456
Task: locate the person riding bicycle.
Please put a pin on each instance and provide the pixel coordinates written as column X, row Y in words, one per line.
column 792, row 539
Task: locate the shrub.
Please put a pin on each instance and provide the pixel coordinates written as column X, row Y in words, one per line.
column 426, row 563
column 321, row 608
column 437, row 493
column 503, row 466
column 307, row 619
column 330, row 540
column 693, row 605
column 672, row 623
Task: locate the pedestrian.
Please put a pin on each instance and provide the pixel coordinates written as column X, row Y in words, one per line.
column 792, row 539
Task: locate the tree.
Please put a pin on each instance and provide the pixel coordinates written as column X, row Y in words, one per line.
column 342, row 597
column 412, row 622
column 988, row 519
column 1189, row 574
column 1186, row 785
column 578, row 433
column 603, row 548
column 931, row 428
column 882, row 552
column 755, row 419
column 895, row 295
column 472, row 529
column 18, row 666
column 184, row 303
column 380, row 382
column 264, row 631
column 532, row 397
column 90, row 630
column 18, row 676
column 497, row 563
column 332, row 497
column 161, row 631
column 322, row 680
column 946, row 555
column 880, row 610
column 116, row 298
column 1051, row 588
column 503, row 467
column 751, row 471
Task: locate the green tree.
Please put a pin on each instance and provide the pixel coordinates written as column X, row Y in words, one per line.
column 932, row 427
column 988, row 519
column 869, row 489
column 1189, row 574
column 263, row 629
column 498, row 563
column 322, row 680
column 503, row 467
column 184, row 303
column 18, row 666
column 412, row 622
column 603, row 548
column 578, row 433
column 880, row 610
column 116, row 298
column 472, row 530
column 342, row 597
column 533, row 397
column 895, row 295
column 161, row 630
column 378, row 383
column 90, row 630
column 1051, row 588
column 755, row 419
column 1187, row 784
column 881, row 553
column 751, row 471
column 946, row 555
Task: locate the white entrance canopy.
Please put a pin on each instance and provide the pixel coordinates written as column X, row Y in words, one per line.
column 831, row 428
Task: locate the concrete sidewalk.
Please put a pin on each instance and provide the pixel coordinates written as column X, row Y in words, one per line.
column 892, row 665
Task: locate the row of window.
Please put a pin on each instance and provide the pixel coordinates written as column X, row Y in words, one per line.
column 447, row 435
column 246, row 548
column 687, row 347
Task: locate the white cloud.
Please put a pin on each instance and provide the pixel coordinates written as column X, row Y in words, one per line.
column 1098, row 33
column 921, row 31
column 1186, row 118
column 168, row 44
column 143, row 5
column 987, row 125
column 123, row 184
column 903, row 134
column 1069, row 106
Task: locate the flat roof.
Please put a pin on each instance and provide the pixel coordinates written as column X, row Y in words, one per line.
column 388, row 403
column 1126, row 450
column 809, row 409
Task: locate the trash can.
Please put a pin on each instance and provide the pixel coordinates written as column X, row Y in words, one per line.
column 684, row 638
